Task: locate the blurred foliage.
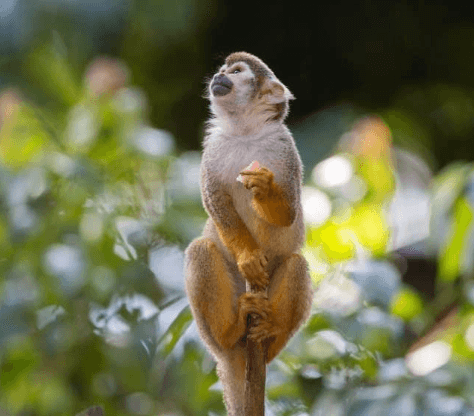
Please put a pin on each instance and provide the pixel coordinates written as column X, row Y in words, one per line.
column 85, row 195
column 97, row 205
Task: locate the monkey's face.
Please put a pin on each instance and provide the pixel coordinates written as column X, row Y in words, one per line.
column 245, row 87
column 232, row 85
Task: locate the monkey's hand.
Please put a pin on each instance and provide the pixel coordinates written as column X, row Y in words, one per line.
column 264, row 326
column 259, row 181
column 254, row 303
column 252, row 265
column 270, row 202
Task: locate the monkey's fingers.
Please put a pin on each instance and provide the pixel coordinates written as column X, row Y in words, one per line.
column 255, row 175
column 259, row 338
column 261, row 301
column 262, row 330
column 261, row 312
column 250, row 269
column 255, row 303
column 258, row 173
column 251, row 182
column 259, row 186
column 247, row 173
column 262, row 279
column 255, row 273
column 258, row 190
column 266, row 171
column 254, row 297
column 263, row 261
column 259, row 279
column 261, row 172
column 252, row 309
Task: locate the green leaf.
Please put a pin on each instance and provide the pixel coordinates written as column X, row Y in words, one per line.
column 48, row 65
column 448, row 185
column 451, row 257
column 316, row 323
column 174, row 332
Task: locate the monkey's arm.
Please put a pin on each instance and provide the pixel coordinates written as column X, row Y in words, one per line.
column 273, row 202
column 233, row 231
column 270, row 202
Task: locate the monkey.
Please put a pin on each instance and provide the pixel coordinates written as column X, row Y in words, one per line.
column 255, row 226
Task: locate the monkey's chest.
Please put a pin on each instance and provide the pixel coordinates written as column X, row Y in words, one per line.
column 236, row 159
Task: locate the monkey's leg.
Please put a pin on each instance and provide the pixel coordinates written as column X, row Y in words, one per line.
column 290, row 299
column 221, row 315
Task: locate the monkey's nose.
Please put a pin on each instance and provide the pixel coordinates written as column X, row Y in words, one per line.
column 221, row 79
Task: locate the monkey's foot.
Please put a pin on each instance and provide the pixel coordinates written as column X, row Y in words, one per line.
column 263, row 330
column 255, row 303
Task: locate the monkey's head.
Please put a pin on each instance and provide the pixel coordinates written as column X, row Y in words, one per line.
column 246, row 87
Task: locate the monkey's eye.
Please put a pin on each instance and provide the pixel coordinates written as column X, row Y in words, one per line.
column 237, row 71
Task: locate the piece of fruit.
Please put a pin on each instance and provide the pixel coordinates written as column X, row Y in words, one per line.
column 253, row 166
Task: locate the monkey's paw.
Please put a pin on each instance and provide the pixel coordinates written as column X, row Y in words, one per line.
column 252, row 267
column 263, row 329
column 255, row 303
column 259, row 181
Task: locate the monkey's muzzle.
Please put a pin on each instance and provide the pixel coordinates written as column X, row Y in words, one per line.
column 221, row 85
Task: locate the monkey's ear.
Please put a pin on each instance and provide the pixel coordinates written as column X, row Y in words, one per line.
column 275, row 92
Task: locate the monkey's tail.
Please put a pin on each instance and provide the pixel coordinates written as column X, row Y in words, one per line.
column 232, row 373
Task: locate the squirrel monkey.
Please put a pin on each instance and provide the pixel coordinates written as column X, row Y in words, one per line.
column 251, row 176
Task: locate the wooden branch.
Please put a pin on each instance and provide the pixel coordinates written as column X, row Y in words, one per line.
column 255, row 373
column 447, row 321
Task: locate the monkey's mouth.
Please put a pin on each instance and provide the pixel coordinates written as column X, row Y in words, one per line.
column 221, row 86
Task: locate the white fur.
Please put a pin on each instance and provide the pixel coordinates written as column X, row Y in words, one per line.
column 241, row 150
